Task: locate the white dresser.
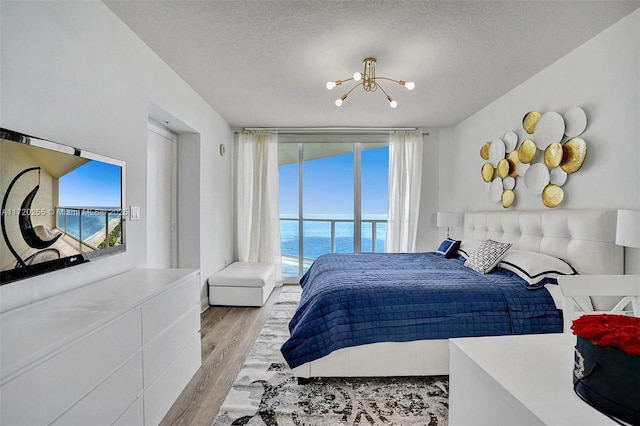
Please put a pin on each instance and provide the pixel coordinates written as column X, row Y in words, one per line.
column 118, row 351
column 516, row 380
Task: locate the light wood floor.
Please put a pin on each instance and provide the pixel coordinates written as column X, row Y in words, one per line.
column 228, row 334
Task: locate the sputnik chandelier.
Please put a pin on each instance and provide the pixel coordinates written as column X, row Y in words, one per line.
column 369, row 82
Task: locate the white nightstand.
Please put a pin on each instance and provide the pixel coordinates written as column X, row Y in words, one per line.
column 577, row 289
column 516, row 380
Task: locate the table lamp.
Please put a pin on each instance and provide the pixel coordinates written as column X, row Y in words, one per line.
column 448, row 220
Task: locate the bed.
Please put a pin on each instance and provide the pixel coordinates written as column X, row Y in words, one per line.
column 395, row 340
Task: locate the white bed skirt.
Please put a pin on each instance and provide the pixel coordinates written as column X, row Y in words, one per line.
column 417, row 358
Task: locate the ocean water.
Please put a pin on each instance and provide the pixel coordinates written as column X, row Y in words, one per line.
column 92, row 222
column 317, row 239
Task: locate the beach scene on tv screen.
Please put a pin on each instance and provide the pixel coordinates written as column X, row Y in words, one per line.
column 56, row 206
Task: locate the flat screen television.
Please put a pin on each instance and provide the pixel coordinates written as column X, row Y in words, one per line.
column 61, row 206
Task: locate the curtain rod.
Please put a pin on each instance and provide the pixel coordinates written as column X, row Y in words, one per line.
column 343, row 130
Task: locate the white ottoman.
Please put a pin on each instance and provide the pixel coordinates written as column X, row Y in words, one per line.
column 242, row 284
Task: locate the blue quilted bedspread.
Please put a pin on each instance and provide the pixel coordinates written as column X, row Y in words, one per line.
column 356, row 299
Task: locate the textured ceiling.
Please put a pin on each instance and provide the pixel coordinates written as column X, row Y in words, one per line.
column 265, row 63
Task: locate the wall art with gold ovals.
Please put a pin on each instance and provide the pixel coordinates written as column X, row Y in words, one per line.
column 553, row 155
column 513, row 160
column 552, row 195
column 527, row 151
column 487, row 172
column 529, row 121
column 550, row 152
column 500, row 168
column 484, row 151
column 508, row 197
column 574, row 152
column 563, row 152
column 549, row 129
column 497, row 151
column 503, row 168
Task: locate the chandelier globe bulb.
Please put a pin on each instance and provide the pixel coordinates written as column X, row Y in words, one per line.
column 331, row 85
column 410, row 85
column 357, row 76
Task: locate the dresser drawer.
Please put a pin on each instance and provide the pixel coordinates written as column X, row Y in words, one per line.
column 167, row 307
column 134, row 415
column 109, row 400
column 53, row 385
column 162, row 393
column 165, row 347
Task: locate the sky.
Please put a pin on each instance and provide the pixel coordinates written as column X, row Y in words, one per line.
column 328, row 185
column 94, row 184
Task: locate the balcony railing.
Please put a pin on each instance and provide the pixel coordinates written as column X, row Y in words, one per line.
column 371, row 232
column 91, row 227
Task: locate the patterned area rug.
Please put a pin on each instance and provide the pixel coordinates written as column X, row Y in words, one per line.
column 266, row 393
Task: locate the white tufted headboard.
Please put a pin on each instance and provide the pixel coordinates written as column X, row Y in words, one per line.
column 584, row 238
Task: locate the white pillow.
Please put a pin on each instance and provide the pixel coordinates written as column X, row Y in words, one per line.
column 467, row 247
column 534, row 267
column 487, row 256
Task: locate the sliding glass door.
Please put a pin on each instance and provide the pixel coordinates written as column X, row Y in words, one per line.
column 290, row 196
column 333, row 199
column 375, row 195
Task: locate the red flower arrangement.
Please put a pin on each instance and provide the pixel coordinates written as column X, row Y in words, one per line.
column 619, row 331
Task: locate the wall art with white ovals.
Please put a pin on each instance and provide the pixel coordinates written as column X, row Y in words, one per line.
column 548, row 152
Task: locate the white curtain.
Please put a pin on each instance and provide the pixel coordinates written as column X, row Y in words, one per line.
column 405, row 179
column 258, row 203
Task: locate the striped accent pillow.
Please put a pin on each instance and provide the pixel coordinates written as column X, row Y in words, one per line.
column 535, row 267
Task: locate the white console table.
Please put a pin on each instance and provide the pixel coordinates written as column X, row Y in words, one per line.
column 118, row 351
column 516, row 380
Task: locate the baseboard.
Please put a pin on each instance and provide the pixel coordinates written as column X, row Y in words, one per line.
column 204, row 304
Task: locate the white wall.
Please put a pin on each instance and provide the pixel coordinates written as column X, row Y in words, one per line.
column 603, row 77
column 72, row 72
